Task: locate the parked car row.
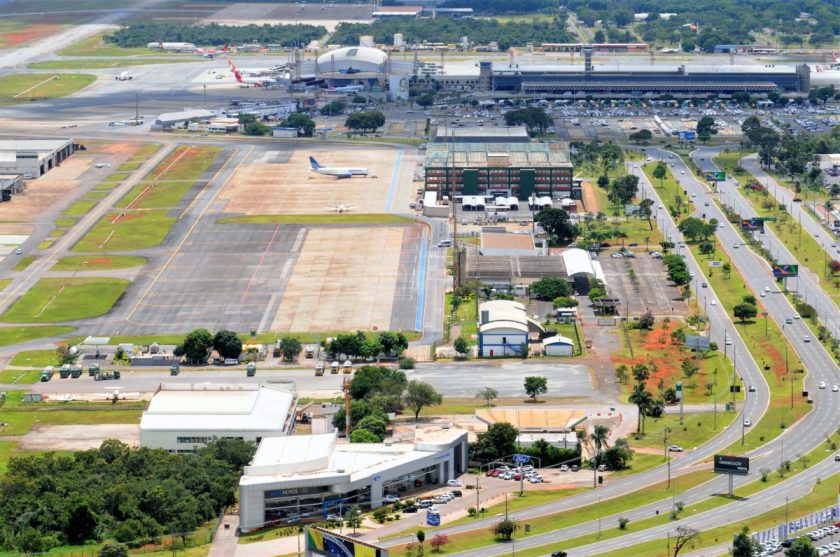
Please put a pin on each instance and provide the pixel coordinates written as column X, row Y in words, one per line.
column 506, row 473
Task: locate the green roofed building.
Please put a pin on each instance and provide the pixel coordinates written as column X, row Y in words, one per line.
column 518, row 170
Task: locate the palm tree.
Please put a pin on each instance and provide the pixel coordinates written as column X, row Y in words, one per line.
column 599, row 439
column 641, row 398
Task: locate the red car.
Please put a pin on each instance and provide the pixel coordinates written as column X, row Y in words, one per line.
column 497, row 473
column 489, row 473
column 517, row 477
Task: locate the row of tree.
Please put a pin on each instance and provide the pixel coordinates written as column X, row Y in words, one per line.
column 360, row 345
column 116, row 492
column 451, row 30
column 143, row 32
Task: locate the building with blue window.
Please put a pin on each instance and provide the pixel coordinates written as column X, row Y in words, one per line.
column 504, row 329
column 311, row 476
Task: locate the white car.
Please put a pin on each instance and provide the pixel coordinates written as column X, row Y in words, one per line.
column 454, row 483
column 747, row 423
column 683, row 172
column 714, row 303
column 822, row 384
column 390, row 499
column 807, row 338
column 564, row 468
column 735, row 245
column 834, row 388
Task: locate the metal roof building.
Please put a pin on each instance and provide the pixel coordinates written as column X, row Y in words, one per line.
column 182, row 418
column 32, row 158
column 503, row 328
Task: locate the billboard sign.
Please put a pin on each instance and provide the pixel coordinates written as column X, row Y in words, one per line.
column 521, row 459
column 432, row 518
column 690, row 135
column 752, row 225
column 329, row 544
column 716, row 176
column 715, row 263
column 697, row 342
column 736, row 465
column 785, row 271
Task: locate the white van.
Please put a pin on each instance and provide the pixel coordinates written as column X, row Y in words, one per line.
column 445, row 243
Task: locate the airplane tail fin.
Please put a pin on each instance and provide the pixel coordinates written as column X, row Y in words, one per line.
column 313, row 163
column 236, row 73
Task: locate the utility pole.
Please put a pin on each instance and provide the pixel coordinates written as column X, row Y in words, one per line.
column 714, row 400
column 136, row 106
column 477, row 501
column 204, row 103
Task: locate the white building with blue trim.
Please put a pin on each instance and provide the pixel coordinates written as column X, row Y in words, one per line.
column 504, row 328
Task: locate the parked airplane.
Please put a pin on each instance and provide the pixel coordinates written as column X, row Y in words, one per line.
column 124, row 76
column 255, row 81
column 339, row 173
column 211, row 52
column 347, row 89
column 341, row 208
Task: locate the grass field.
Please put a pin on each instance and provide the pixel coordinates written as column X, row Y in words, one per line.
column 65, row 222
column 79, row 208
column 24, row 263
column 466, row 317
column 45, row 244
column 77, row 262
column 696, row 430
column 669, row 191
column 18, row 88
column 96, row 46
column 20, row 376
column 4, row 283
column 328, row 218
column 15, row 335
column 135, row 230
column 66, row 299
column 766, row 343
column 89, row 64
column 34, row 358
column 628, row 231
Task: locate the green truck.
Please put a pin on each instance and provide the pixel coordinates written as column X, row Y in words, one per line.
column 64, row 371
column 93, row 370
column 174, row 369
column 251, row 369
column 47, row 374
column 76, row 372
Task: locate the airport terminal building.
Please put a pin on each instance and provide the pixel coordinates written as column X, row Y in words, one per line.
column 518, row 170
column 305, row 476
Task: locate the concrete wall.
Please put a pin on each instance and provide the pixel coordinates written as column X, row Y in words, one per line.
column 501, row 342
column 168, row 440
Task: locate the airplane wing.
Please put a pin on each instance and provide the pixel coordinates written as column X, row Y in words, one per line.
column 343, row 176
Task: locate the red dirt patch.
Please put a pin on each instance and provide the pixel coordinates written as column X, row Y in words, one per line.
column 662, row 356
column 28, row 34
column 100, row 261
column 124, row 217
column 120, row 148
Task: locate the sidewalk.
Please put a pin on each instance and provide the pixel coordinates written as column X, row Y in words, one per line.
column 225, row 540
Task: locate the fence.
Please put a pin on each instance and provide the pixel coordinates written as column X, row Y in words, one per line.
column 803, row 524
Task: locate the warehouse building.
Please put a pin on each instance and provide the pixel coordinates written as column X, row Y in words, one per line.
column 480, row 134
column 500, row 170
column 504, row 328
column 173, row 120
column 183, row 418
column 582, row 269
column 32, row 158
column 310, row 476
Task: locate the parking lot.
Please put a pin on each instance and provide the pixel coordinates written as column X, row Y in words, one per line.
column 642, row 284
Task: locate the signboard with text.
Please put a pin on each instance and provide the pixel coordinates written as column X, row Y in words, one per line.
column 697, row 342
column 716, row 176
column 329, row 544
column 736, row 465
column 785, row 271
column 689, row 135
column 752, row 225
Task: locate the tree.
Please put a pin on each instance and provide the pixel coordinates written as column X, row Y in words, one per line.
column 549, row 288
column 291, row 348
column 227, row 344
column 419, row 395
column 393, row 344
column 497, row 442
column 425, row 101
column 197, row 345
column 599, row 437
column 707, row 248
column 745, row 311
column 557, row 224
column 706, row 126
column 257, row 129
column 421, row 537
column 802, row 547
column 618, row 456
column 685, row 538
column 365, row 121
column 536, row 385
column 302, row 122
column 438, row 541
column 363, row 436
column 642, row 399
column 488, row 394
column 353, row 518
column 660, row 171
column 621, row 373
column 461, row 347
column 641, row 373
column 743, row 545
column 610, row 156
column 83, row 520
column 533, row 118
column 646, row 321
column 834, row 266
column 113, row 550
column 504, row 529
column 375, row 424
column 641, row 136
column 334, row 107
column 689, row 368
column 624, row 189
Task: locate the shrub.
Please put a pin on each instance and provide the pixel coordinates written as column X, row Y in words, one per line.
column 622, row 523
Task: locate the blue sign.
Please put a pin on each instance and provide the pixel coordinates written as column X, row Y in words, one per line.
column 688, row 135
column 521, row 458
column 432, row 519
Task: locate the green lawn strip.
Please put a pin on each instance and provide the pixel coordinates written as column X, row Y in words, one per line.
column 641, row 462
column 822, row 495
column 95, row 263
column 572, row 331
column 95, row 45
column 104, row 186
column 4, row 283
column 20, row 376
column 19, row 423
column 730, row 162
column 155, row 196
column 6, row 450
column 80, row 208
column 457, row 405
column 115, row 177
column 95, row 195
column 328, row 218
column 145, row 151
column 24, row 263
column 57, row 233
column 696, row 430
column 540, row 525
column 132, row 231
column 129, row 166
column 86, row 63
column 768, row 352
column 466, row 317
column 304, row 338
column 66, row 299
column 16, row 335
column 65, row 222
column 34, row 358
column 45, row 244
column 627, row 231
column 645, row 495
column 669, row 191
column 19, row 88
